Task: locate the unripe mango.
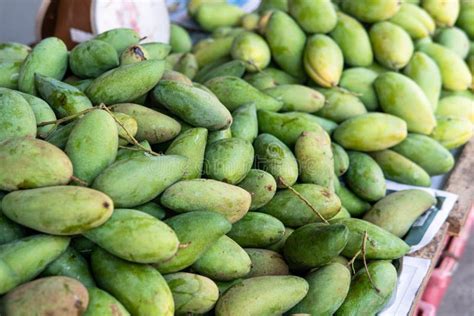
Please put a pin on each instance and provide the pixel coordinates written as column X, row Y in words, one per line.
column 234, row 68
column 314, row 16
column 452, row 132
column 456, row 106
column 13, row 52
column 266, row 5
column 351, row 202
column 251, row 49
column 261, row 186
column 180, row 40
column 340, row 105
column 360, row 82
column 466, row 14
column 245, row 123
column 266, row 262
column 9, row 230
column 257, row 230
column 454, row 39
column 269, row 78
column 102, row 303
column 278, row 246
column 92, row 58
column 341, row 159
column 445, row 13
column 218, row 135
column 365, row 177
column 213, row 15
column 133, row 54
column 43, row 113
column 157, row 50
column 59, row 136
column 371, row 11
column 414, row 20
column 210, row 50
column 9, row 73
column 16, row 116
column 297, row 98
column 119, row 38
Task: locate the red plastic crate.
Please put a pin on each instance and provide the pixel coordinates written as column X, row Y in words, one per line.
column 425, row 309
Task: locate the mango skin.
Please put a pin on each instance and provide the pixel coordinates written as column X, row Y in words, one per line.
column 92, row 58
column 276, row 158
column 385, row 245
column 134, row 181
column 269, row 78
column 360, row 81
column 365, row 177
column 444, row 13
column 235, row 68
column 266, row 5
column 399, row 210
column 427, row 153
column 245, row 122
column 454, row 39
column 16, row 116
column 9, row 230
column 466, row 14
column 351, row 202
column 261, row 185
column 340, row 158
column 102, row 303
column 140, row 288
column 297, row 98
column 362, row 298
column 314, row 16
column 213, row 15
column 257, row 230
column 60, row 135
column 180, row 40
column 371, row 11
column 353, row 40
column 328, row 288
column 252, row 49
column 218, row 135
column 207, row 195
column 323, row 199
column 274, row 295
column 119, row 38
column 60, row 295
column 452, row 132
column 125, row 83
column 456, row 106
column 13, row 52
column 36, row 164
column 369, row 132
column 9, row 73
column 210, row 50
column 58, row 210
column 49, row 58
column 340, row 105
column 266, row 262
column 278, row 246
column 414, row 20
column 314, row 245
column 189, row 228
column 23, row 259
column 225, row 260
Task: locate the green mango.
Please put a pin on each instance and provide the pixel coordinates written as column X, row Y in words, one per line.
column 229, row 160
column 402, row 97
column 363, row 298
column 340, row 105
column 397, row 212
column 287, row 41
column 102, row 303
column 119, row 38
column 328, row 288
column 466, row 15
column 249, row 21
column 278, row 246
column 43, row 113
column 371, row 11
column 371, row 131
column 140, row 288
column 245, row 123
column 454, row 71
column 82, row 85
column 187, row 64
column 157, row 50
column 270, row 78
column 360, row 82
column 218, row 135
column 315, row 160
column 125, row 83
column 426, row 153
column 322, row 199
column 273, row 295
column 414, row 20
column 71, row 264
column 364, row 177
column 457, row 107
column 445, row 13
column 13, row 52
column 49, row 58
column 133, row 54
column 212, row 49
column 9, row 230
column 153, row 209
column 224, row 31
column 261, row 185
column 234, row 92
column 213, row 15
column 328, row 125
column 235, row 68
column 83, row 245
column 343, row 213
column 58, row 210
column 266, row 5
column 92, row 58
column 207, row 195
column 314, row 16
column 452, row 132
column 297, row 97
column 9, row 73
column 340, row 158
column 17, row 119
column 127, row 127
column 59, row 136
column 381, row 244
column 400, row 169
column 323, row 60
column 353, row 40
column 92, row 145
column 193, row 5
column 351, row 202
column 426, row 74
column 29, row 163
column 23, row 259
column 198, row 231
column 257, row 230
column 176, row 76
column 134, row 181
column 180, row 40
column 392, row 45
column 314, row 245
column 454, row 39
column 252, row 49
column 225, row 260
column 266, row 262
column 201, row 108
column 276, row 158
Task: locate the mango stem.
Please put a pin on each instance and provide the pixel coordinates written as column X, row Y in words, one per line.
column 351, row 262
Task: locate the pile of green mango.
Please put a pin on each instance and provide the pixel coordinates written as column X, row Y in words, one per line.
column 243, row 174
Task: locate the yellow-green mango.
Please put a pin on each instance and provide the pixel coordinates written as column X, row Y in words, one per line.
column 286, row 40
column 157, row 50
column 414, row 20
column 225, row 260
column 92, row 58
column 9, row 73
column 212, row 49
column 360, row 81
column 276, row 158
column 445, row 13
column 224, row 31
column 456, row 106
column 454, row 39
column 29, row 163
column 266, row 5
column 234, row 68
column 252, row 49
column 13, row 52
column 371, row 11
column 218, row 135
column 177, row 76
column 49, row 58
column 133, row 54
column 278, row 246
column 43, row 113
column 23, row 259
column 180, row 40
column 398, row 211
column 261, row 185
column 400, row 169
column 351, row 202
column 198, row 231
column 364, row 177
column 127, row 126
column 245, row 122
column 193, row 5
column 328, row 288
column 140, row 288
column 369, row 132
column 102, row 303
column 353, row 40
column 249, row 21
column 207, row 195
column 266, row 262
column 269, row 78
column 425, row 72
column 340, row 158
column 322, row 199
column 257, row 230
column 213, row 15
column 192, row 293
column 273, row 295
column 343, row 213
column 119, row 38
column 58, row 210
column 454, row 71
column 297, row 97
column 427, row 153
column 314, row 16
column 340, row 105
column 323, row 60
column 466, row 16
column 187, row 64
column 392, row 45
column 452, row 132
column 17, row 119
column 402, row 97
column 9, row 230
